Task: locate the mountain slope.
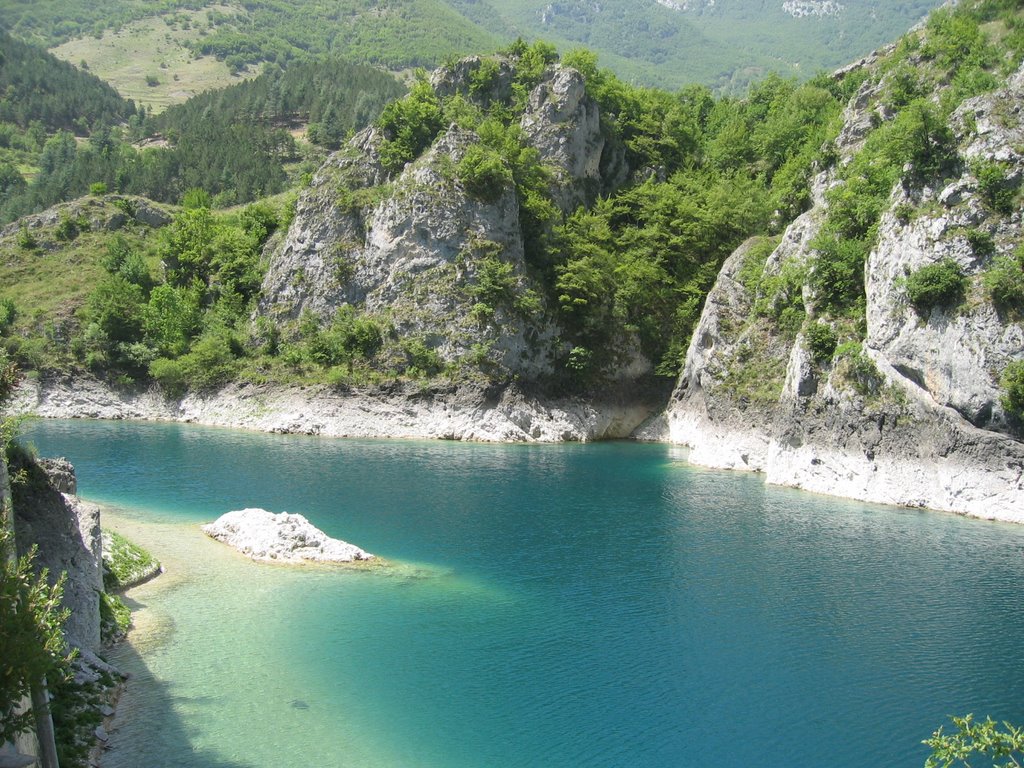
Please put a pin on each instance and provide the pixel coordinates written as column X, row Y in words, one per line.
column 726, row 44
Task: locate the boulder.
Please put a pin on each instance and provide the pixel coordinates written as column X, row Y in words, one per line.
column 281, row 538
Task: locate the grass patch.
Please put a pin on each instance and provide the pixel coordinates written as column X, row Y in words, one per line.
column 125, row 563
column 152, row 48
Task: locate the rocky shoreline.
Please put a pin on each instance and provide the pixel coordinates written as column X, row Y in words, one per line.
column 952, row 467
column 470, row 413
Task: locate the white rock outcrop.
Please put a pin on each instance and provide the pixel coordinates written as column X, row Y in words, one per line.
column 281, row 538
column 929, row 430
column 471, row 413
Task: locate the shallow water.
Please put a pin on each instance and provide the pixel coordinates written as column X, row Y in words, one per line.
column 575, row 605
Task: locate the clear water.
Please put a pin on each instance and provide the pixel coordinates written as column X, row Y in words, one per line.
column 576, row 605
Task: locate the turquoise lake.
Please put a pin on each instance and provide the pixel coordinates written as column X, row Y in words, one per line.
column 570, row 605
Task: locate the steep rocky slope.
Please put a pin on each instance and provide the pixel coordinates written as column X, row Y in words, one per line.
column 410, row 247
column 911, row 412
column 442, row 264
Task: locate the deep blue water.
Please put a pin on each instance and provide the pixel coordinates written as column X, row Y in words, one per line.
column 574, row 605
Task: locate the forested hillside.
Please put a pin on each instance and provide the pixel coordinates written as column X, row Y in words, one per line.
column 233, row 143
column 334, row 97
column 37, row 88
column 726, row 45
column 694, row 177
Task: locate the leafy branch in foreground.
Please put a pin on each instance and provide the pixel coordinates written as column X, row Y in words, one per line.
column 31, row 621
column 1005, row 748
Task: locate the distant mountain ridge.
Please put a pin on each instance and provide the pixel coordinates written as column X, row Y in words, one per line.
column 726, row 44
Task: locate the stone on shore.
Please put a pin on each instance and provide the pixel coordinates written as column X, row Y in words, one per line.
column 281, row 538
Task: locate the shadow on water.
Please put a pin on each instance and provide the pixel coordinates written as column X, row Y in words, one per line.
column 147, row 728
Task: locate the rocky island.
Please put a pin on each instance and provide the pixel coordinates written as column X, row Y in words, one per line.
column 281, row 538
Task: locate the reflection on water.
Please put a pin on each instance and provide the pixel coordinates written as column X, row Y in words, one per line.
column 599, row 605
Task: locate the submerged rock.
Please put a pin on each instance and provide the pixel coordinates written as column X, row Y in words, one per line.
column 282, row 538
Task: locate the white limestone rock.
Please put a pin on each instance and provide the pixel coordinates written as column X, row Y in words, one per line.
column 281, row 538
column 929, row 432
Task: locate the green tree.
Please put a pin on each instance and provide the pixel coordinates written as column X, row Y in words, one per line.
column 171, row 318
column 188, row 246
column 31, row 634
column 1012, row 383
column 410, row 124
column 998, row 747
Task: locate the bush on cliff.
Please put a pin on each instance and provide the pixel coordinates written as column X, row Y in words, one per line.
column 936, row 285
column 1012, row 383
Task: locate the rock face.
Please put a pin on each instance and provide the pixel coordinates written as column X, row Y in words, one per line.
column 913, row 418
column 67, row 532
column 281, row 538
column 952, row 355
column 416, row 248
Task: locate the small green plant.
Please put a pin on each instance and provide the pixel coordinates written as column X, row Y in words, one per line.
column 26, row 240
column 115, row 617
column 98, row 189
column 981, row 242
column 1012, row 383
column 68, row 228
column 821, row 342
column 152, row 81
column 858, row 370
column 1004, row 282
column 996, row 190
column 8, row 314
column 942, row 284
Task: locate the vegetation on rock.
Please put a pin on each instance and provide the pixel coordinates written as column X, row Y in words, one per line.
column 31, row 622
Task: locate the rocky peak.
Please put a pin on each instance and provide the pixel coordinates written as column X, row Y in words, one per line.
column 411, row 245
column 464, row 78
column 563, row 123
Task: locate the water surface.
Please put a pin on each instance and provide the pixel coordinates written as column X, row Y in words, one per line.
column 573, row 605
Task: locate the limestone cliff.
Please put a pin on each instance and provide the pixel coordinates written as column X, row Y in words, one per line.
column 66, row 531
column 444, row 264
column 911, row 414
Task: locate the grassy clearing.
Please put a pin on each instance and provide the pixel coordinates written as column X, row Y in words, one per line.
column 153, row 48
column 49, row 282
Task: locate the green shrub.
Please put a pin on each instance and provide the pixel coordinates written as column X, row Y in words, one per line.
column 821, row 342
column 211, row 361
column 351, row 335
column 98, row 189
column 837, row 273
column 982, row 243
column 421, row 360
column 8, row 314
column 170, row 375
column 409, row 125
column 1012, row 383
column 936, row 285
column 858, row 370
column 484, row 173
column 26, row 240
column 1004, row 282
column 995, row 189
